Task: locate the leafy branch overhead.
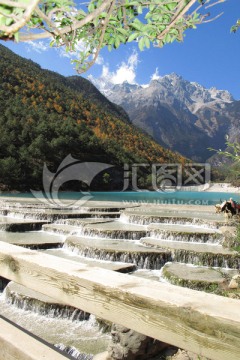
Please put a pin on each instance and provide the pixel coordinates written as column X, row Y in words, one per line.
column 232, row 151
column 92, row 25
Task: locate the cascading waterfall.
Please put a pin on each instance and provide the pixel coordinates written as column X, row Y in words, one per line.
column 100, row 209
column 113, row 234
column 47, row 214
column 146, row 260
column 63, row 229
column 22, row 226
column 186, row 237
column 84, row 336
column 140, row 219
column 52, row 310
column 74, row 352
column 147, row 220
column 206, row 259
column 16, row 214
column 23, row 213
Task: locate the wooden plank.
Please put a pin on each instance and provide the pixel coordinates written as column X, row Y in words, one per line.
column 206, row 324
column 17, row 344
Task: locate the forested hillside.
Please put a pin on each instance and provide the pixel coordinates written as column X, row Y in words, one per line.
column 45, row 116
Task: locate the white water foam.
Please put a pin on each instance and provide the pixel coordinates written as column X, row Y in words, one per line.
column 83, row 335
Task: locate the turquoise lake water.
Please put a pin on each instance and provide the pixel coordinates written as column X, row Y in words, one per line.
column 153, row 197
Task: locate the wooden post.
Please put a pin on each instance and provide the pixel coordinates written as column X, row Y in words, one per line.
column 206, row 324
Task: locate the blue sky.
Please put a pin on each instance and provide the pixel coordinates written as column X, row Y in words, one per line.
column 209, row 55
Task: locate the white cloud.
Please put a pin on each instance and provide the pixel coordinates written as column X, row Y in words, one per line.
column 99, row 60
column 144, row 86
column 126, row 71
column 155, row 75
column 105, row 72
column 133, row 60
column 38, row 46
column 63, row 53
column 80, row 46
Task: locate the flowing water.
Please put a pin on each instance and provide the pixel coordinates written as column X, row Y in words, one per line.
column 26, row 299
column 161, row 217
column 109, row 265
column 126, row 251
column 83, row 335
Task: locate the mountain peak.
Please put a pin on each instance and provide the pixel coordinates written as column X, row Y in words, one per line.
column 182, row 115
column 174, row 76
column 221, row 94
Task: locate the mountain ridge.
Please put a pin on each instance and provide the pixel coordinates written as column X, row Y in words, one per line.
column 181, row 115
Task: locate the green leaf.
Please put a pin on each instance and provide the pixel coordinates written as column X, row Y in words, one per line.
column 119, row 14
column 122, row 38
column 141, row 44
column 137, row 25
column 171, row 6
column 167, row 38
column 117, row 42
column 111, row 40
column 133, row 3
column 196, row 16
column 139, row 9
column 113, row 19
column 8, row 21
column 147, row 42
column 123, row 31
column 133, row 36
column 91, row 7
column 16, row 37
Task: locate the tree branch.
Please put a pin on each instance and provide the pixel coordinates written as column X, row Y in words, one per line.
column 176, row 17
column 101, row 38
column 10, row 30
column 217, row 2
column 14, row 4
column 212, row 19
column 76, row 25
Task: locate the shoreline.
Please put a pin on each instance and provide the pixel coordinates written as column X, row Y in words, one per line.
column 208, row 194
column 212, row 187
column 223, row 187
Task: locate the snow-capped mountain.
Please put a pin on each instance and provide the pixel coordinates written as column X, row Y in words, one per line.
column 182, row 115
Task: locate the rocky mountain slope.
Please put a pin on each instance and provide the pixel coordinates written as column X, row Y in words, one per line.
column 182, row 115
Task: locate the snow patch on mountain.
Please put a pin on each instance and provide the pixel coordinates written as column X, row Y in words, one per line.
column 192, row 94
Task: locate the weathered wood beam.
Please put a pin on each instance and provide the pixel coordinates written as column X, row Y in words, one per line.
column 17, row 344
column 206, row 324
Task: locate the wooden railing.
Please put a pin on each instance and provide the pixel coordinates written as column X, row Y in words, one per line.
column 18, row 344
column 206, row 324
